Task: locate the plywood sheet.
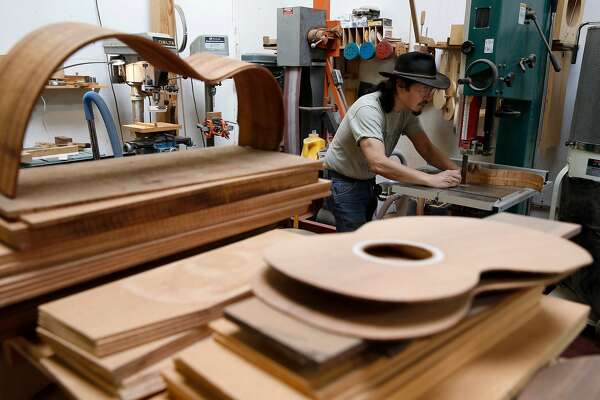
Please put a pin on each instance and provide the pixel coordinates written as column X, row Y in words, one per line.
column 195, row 288
column 229, row 376
column 81, row 385
column 416, row 259
column 116, row 368
column 502, row 371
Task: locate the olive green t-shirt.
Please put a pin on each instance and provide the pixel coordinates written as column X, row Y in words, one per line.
column 366, row 119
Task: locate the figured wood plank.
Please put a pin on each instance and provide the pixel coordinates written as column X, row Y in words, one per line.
column 195, row 287
column 503, row 370
column 162, row 220
column 21, row 262
column 229, row 376
column 302, row 343
column 33, row 283
column 29, row 64
column 186, row 198
column 120, row 177
column 116, row 368
column 565, row 230
column 505, row 177
column 422, row 258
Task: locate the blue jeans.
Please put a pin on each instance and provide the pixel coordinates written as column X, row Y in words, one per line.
column 352, row 202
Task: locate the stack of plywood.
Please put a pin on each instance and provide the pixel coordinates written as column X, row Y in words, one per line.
column 69, row 225
column 117, row 337
column 489, row 355
column 300, row 341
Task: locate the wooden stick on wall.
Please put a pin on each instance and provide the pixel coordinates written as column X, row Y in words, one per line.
column 162, row 20
column 415, row 24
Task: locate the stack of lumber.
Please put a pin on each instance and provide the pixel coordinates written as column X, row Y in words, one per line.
column 67, row 224
column 490, row 355
column 140, row 209
column 117, row 337
column 389, row 334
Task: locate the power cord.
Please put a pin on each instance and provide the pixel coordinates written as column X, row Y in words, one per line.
column 196, row 108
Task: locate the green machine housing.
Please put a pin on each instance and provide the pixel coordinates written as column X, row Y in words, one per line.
column 506, row 60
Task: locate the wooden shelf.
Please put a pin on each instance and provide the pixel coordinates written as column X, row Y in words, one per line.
column 75, row 87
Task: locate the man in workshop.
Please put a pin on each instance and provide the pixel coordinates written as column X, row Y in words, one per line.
column 369, row 133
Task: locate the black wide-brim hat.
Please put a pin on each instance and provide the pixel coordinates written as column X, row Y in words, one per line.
column 418, row 67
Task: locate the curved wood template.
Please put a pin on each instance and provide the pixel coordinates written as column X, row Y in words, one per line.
column 454, row 253
column 25, row 70
column 374, row 320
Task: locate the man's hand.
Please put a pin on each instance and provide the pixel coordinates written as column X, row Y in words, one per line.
column 445, row 179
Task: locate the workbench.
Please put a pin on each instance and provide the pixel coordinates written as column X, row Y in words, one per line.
column 482, row 197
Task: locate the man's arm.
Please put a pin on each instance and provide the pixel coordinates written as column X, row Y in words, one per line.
column 431, row 153
column 380, row 164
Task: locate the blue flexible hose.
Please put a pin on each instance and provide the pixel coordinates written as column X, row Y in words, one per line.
column 93, row 97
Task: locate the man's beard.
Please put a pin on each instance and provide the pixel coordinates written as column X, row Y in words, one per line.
column 417, row 113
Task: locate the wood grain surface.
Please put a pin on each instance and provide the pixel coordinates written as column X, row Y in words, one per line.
column 116, row 368
column 28, row 65
column 395, row 260
column 373, row 369
column 60, row 273
column 160, row 302
column 135, row 227
column 505, row 177
column 502, row 371
column 228, row 376
column 121, row 177
column 374, row 320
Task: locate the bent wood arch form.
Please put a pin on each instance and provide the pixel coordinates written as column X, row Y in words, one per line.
column 27, row 67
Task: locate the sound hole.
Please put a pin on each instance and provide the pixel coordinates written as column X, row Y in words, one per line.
column 398, row 251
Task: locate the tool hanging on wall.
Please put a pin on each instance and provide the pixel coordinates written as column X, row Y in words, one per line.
column 215, row 125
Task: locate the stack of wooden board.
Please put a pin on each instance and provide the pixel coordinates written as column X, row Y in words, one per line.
column 258, row 358
column 119, row 335
column 139, row 209
column 284, row 351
